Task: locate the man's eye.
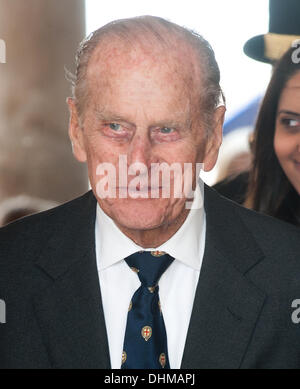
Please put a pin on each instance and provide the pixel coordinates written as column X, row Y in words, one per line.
column 115, row 126
column 166, row 130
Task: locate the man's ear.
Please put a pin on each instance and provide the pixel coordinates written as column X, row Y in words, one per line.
column 214, row 140
column 76, row 133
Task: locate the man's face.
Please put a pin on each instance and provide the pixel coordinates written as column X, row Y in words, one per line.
column 141, row 107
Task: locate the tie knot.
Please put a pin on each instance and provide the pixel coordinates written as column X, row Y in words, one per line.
column 149, row 265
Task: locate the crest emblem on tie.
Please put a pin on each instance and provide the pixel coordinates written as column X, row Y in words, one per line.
column 151, row 289
column 124, row 357
column 158, row 253
column 130, row 306
column 162, row 360
column 146, row 333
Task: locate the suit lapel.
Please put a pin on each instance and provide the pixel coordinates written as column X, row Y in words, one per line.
column 227, row 305
column 69, row 311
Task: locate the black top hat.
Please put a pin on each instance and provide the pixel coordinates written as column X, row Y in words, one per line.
column 284, row 28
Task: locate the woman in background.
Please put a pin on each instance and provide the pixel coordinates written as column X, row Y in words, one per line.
column 274, row 179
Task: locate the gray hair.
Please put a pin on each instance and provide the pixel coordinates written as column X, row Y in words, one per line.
column 157, row 30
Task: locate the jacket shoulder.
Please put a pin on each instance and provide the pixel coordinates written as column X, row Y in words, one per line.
column 278, row 239
column 30, row 233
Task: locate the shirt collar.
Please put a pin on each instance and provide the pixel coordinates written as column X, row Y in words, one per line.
column 186, row 245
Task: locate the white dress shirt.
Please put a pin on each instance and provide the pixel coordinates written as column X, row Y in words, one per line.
column 177, row 286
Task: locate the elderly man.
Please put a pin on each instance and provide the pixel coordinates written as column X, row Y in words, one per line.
column 132, row 274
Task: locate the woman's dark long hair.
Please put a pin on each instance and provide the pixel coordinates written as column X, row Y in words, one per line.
column 269, row 190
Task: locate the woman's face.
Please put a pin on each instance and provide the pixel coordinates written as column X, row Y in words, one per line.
column 287, row 131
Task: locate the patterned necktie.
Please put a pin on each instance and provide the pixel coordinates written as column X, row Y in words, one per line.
column 145, row 342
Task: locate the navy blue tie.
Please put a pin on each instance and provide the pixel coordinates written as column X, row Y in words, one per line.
column 145, row 342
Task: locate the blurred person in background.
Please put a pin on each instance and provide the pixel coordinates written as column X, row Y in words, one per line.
column 16, row 207
column 274, row 181
column 284, row 29
column 233, row 165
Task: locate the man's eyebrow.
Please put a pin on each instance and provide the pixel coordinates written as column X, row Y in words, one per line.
column 111, row 116
column 171, row 124
column 107, row 115
column 286, row 112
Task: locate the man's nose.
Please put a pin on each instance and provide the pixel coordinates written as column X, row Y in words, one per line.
column 140, row 150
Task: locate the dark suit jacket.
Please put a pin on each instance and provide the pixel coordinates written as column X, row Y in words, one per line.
column 242, row 311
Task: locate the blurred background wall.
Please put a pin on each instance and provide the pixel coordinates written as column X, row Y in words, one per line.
column 36, row 159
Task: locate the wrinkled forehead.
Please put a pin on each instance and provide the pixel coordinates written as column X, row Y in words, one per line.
column 113, row 58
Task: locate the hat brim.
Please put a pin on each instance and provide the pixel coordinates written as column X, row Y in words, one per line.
column 255, row 48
